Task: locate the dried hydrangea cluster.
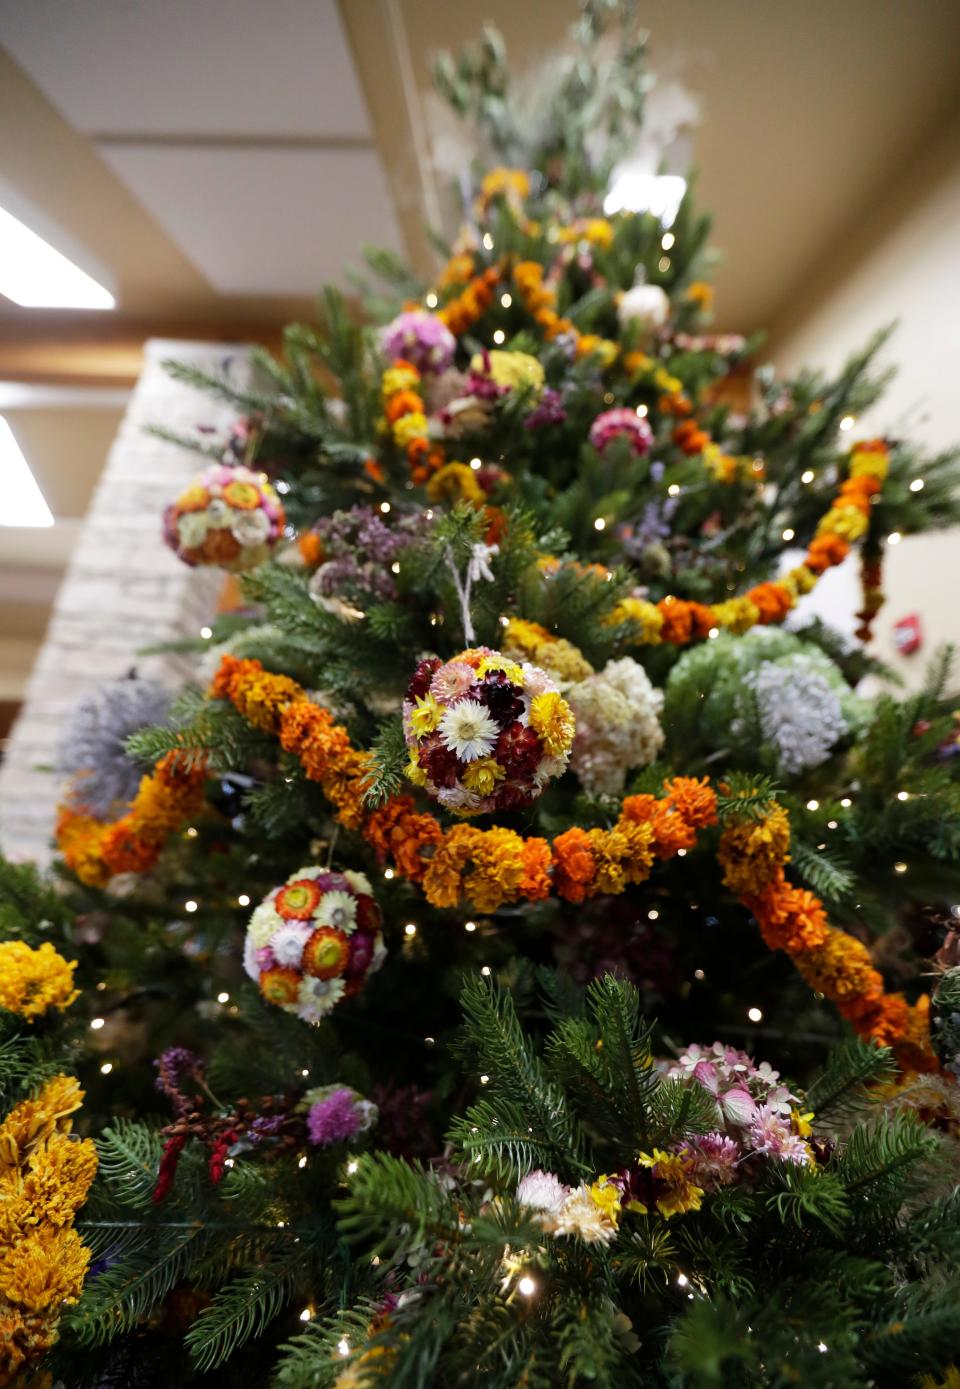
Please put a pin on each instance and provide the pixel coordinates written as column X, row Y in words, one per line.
column 757, row 1120
column 314, row 940
column 229, row 516
column 618, row 726
column 484, row 732
column 800, row 713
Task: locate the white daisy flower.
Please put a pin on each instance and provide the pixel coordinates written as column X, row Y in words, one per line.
column 287, row 945
column 337, row 909
column 192, row 529
column 250, row 527
column 316, row 997
column 358, row 881
column 468, row 730
column 263, row 923
column 220, row 513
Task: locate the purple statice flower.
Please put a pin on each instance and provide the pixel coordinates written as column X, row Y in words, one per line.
column 420, row 338
column 175, row 1068
column 266, row 1126
column 621, row 423
column 334, row 1119
column 93, row 749
column 548, row 410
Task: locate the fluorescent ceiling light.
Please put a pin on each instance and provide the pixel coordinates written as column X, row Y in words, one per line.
column 21, row 501
column 33, row 274
column 634, row 191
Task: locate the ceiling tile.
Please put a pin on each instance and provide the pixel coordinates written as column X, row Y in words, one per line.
column 190, row 67
column 259, row 221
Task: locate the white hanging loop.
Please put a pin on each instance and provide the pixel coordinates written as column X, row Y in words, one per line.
column 478, row 567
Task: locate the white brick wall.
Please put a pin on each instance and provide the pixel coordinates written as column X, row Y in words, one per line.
column 123, row 588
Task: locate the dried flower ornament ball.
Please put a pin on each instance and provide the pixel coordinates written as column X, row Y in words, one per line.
column 621, row 423
column 228, row 516
column 484, row 732
column 314, row 940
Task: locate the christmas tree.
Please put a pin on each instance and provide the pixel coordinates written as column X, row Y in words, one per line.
column 510, row 963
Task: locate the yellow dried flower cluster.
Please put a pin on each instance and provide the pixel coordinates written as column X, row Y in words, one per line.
column 45, row 1174
column 31, row 981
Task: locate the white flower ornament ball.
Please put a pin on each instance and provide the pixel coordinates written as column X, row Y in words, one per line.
column 314, row 941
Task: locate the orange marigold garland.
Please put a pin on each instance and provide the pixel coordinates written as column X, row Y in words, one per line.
column 96, row 850
column 496, row 866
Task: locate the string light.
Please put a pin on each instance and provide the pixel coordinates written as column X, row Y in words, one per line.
column 506, row 300
column 916, row 485
column 663, row 264
column 487, row 241
column 822, row 1347
column 900, row 867
column 432, row 300
column 343, row 1346
column 681, row 853
column 673, row 490
column 429, row 1041
column 410, row 929
column 599, row 524
column 469, row 925
column 713, row 632
column 385, row 508
column 667, row 240
column 190, row 906
column 846, row 802
column 847, row 422
column 831, row 824
column 106, row 1068
column 682, row 1280
column 484, row 1080
column 699, row 974
column 352, row 1166
column 206, row 633
column 388, row 873
column 302, row 1162
column 476, row 464
column 485, row 971
column 304, row 1072
column 813, row 805
column 306, row 1314
column 526, row 1286
column 789, row 533
column 97, row 1023
column 893, row 538
column 755, row 1014
column 192, row 832
column 642, row 411
column 652, row 914
column 807, row 477
column 499, row 336
column 223, row 998
column 395, row 567
column 903, row 795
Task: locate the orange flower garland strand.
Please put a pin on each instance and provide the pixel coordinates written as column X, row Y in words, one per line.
column 97, row 850
column 496, row 866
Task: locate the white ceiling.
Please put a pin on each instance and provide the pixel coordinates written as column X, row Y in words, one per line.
column 262, row 221
column 237, row 125
column 190, row 67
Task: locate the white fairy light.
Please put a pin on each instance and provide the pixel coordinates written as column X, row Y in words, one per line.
column 190, row 906
column 599, row 524
column 813, row 805
column 755, row 1014
column 894, row 538
column 847, row 423
column 485, row 971
column 106, row 1068
column 432, row 300
column 206, row 633
column 652, row 914
column 306, row 1314
column 469, row 925
column 385, row 508
column 846, row 802
column 410, row 929
column 499, row 336
column 789, row 533
column 673, row 490
column 916, row 485
column 506, row 300
column 900, row 867
column 487, row 241
column 97, row 1023
column 527, row 1286
column 807, row 477
column 352, row 1166
column 343, row 1346
column 903, row 795
column 713, row 632
column 223, row 998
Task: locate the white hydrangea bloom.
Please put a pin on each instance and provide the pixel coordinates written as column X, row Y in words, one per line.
column 800, row 715
column 618, row 725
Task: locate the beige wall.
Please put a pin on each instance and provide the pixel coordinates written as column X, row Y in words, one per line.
column 901, row 262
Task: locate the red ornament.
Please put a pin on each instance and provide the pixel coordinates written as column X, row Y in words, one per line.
column 908, row 634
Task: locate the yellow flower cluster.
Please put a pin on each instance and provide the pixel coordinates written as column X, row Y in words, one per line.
column 751, row 851
column 528, row 641
column 512, row 370
column 31, row 981
column 44, row 1179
